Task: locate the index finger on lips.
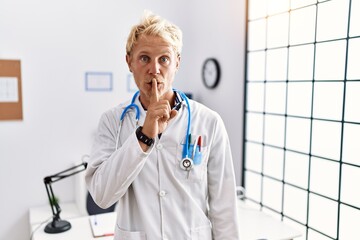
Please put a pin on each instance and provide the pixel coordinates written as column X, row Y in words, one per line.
column 154, row 92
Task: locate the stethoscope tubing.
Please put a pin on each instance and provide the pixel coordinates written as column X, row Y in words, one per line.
column 186, row 152
column 132, row 105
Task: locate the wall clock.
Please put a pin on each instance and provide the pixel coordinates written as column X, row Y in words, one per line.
column 211, row 73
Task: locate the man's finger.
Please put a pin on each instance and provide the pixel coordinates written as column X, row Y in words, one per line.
column 154, row 92
column 173, row 114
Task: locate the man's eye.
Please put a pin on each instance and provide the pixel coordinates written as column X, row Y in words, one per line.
column 144, row 58
column 164, row 59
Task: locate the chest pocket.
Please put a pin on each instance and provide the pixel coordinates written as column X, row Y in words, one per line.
column 128, row 235
column 200, row 160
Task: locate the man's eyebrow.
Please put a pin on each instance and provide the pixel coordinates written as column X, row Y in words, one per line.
column 167, row 53
column 147, row 53
column 144, row 52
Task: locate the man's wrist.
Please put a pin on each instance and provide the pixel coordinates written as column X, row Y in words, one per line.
column 143, row 138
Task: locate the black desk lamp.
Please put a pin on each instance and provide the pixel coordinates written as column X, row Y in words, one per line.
column 57, row 225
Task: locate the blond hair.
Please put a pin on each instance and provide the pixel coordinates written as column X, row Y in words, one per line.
column 154, row 25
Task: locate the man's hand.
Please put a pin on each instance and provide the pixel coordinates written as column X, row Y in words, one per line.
column 158, row 115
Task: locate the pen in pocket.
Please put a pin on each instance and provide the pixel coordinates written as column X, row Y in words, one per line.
column 199, row 143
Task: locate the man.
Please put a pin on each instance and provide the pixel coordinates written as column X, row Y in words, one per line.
column 171, row 171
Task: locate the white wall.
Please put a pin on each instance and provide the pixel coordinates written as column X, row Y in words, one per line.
column 57, row 42
column 217, row 30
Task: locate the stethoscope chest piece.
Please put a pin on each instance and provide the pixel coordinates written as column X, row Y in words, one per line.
column 186, row 164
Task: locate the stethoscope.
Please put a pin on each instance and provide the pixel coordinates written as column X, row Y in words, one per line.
column 187, row 162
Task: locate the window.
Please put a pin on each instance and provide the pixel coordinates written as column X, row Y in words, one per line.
column 302, row 117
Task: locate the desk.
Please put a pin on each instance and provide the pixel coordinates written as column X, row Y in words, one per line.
column 80, row 229
column 38, row 215
column 254, row 224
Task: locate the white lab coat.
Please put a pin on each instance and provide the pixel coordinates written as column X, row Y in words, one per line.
column 156, row 198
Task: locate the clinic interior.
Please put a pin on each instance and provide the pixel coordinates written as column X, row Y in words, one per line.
column 291, row 67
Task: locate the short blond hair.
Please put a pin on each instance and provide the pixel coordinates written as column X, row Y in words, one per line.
column 154, row 25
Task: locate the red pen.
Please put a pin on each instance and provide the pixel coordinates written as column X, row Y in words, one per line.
column 199, row 143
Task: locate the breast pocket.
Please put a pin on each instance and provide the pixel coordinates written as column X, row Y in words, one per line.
column 129, row 235
column 199, row 157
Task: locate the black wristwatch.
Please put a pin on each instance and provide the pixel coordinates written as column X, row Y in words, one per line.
column 143, row 138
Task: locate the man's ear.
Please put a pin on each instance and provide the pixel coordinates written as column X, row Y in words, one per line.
column 128, row 61
column 178, row 62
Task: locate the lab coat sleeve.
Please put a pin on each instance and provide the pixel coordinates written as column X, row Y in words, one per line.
column 110, row 173
column 222, row 187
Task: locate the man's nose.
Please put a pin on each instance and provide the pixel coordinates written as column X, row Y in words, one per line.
column 154, row 68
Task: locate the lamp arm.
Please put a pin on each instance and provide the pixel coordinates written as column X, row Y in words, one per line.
column 63, row 174
column 55, row 208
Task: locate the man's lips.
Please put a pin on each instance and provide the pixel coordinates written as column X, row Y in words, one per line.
column 158, row 82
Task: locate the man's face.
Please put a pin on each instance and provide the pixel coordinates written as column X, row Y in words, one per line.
column 152, row 57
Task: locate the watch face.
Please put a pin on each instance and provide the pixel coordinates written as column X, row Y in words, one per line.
column 211, row 73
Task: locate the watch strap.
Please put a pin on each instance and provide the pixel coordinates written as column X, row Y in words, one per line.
column 143, row 138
